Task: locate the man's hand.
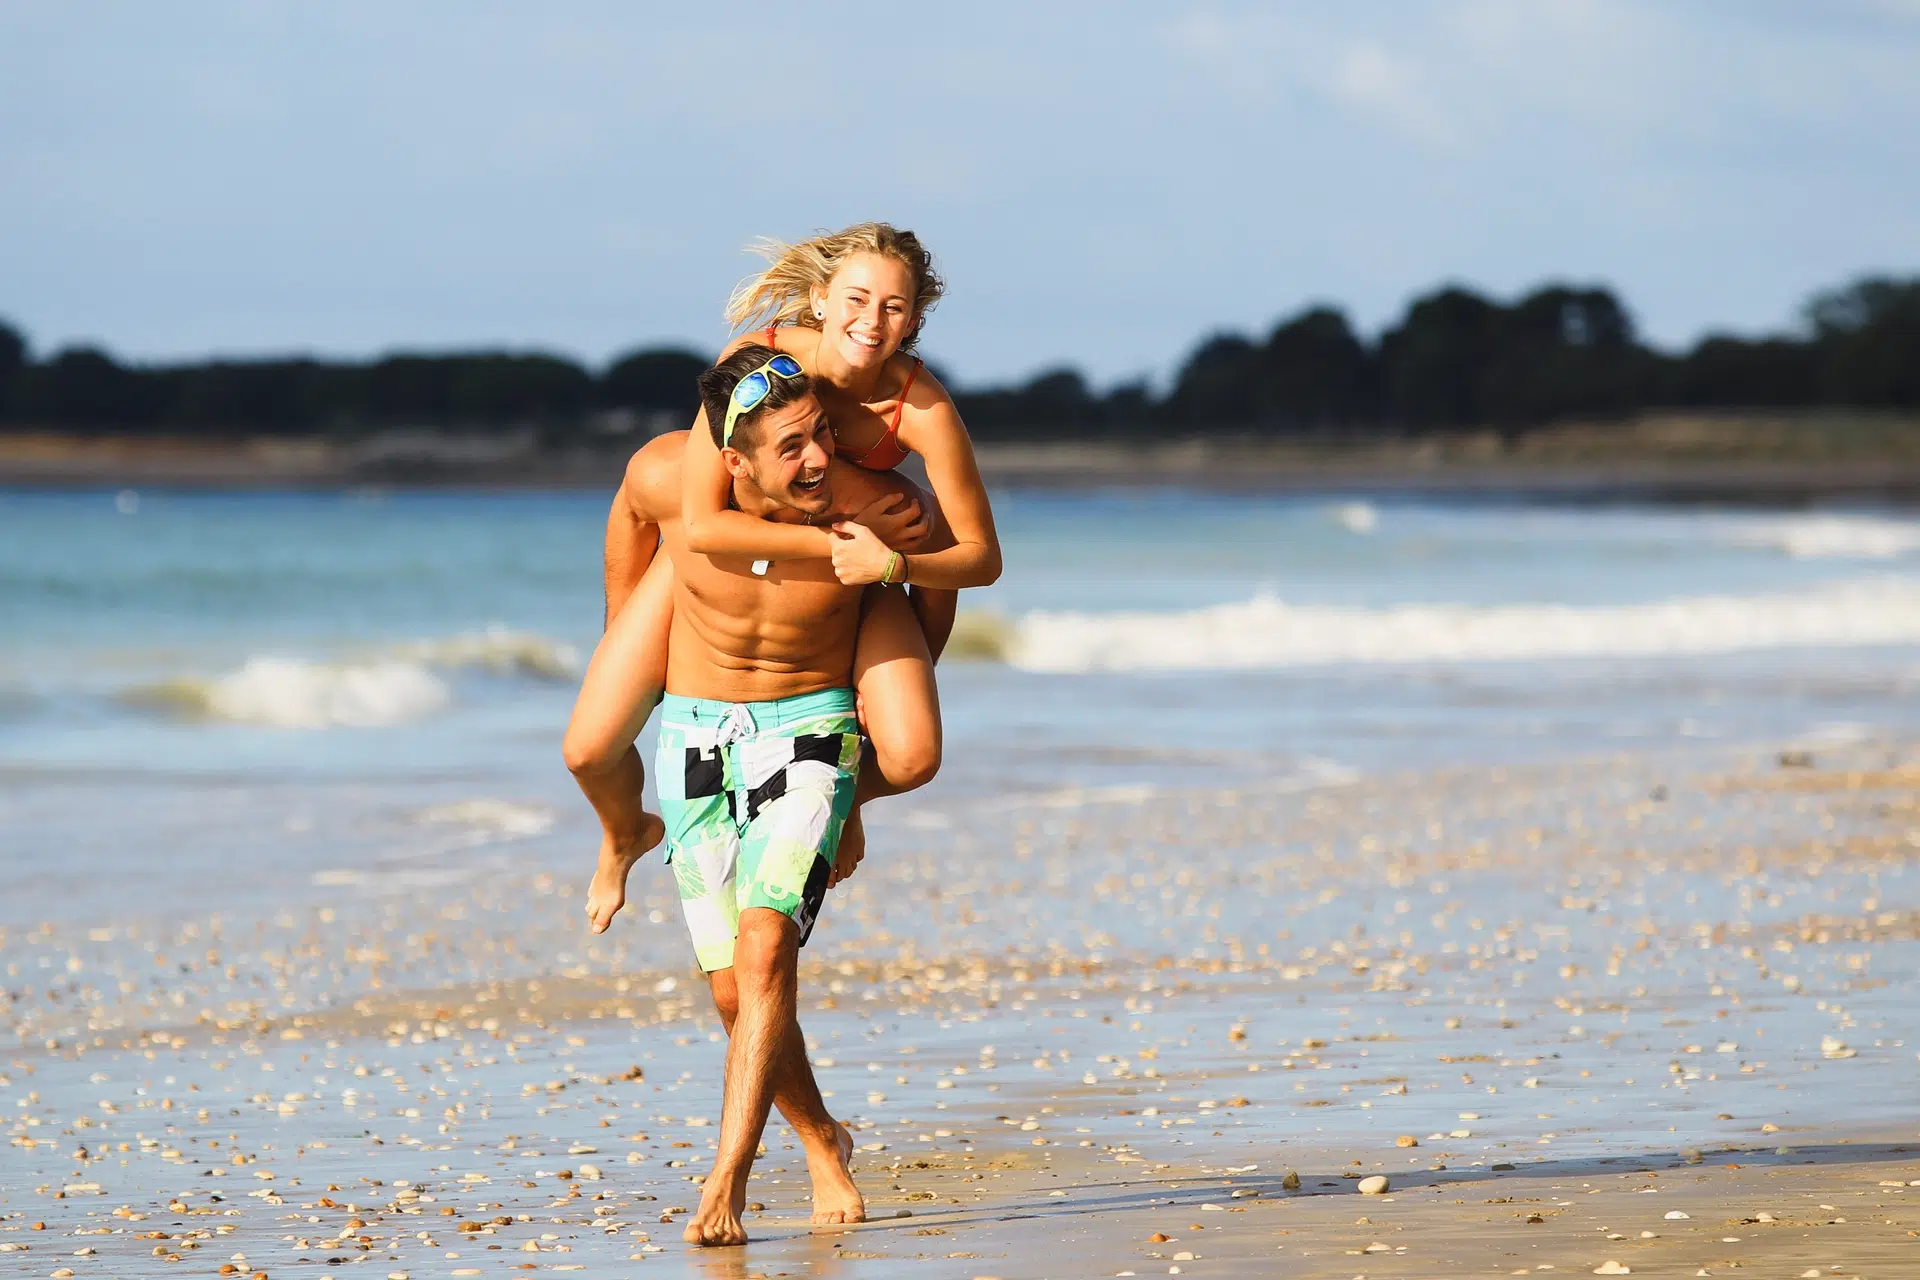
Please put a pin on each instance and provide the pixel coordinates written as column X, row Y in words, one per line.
column 859, row 556
column 897, row 520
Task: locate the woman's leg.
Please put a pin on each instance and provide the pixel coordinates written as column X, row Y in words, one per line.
column 621, row 689
column 893, row 675
column 899, row 707
column 935, row 611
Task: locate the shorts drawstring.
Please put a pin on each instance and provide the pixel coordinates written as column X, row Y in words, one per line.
column 735, row 725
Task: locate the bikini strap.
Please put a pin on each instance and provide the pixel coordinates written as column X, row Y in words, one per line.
column 770, row 341
column 901, row 408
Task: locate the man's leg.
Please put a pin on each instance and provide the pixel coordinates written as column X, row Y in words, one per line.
column 828, row 1145
column 765, row 1044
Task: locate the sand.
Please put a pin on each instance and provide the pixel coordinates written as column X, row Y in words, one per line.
column 1592, row 995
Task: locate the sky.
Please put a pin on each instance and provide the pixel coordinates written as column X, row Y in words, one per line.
column 1102, row 184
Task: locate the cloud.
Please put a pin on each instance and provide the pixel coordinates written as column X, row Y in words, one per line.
column 1368, row 77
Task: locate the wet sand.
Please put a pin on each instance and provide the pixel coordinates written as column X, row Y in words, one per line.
column 1592, row 995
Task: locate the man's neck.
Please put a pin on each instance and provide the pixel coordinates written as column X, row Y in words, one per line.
column 748, row 498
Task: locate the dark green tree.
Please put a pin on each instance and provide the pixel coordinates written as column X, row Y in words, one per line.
column 13, row 360
column 1315, row 374
column 654, row 381
column 1435, row 363
column 1219, row 385
column 83, row 387
column 1868, row 340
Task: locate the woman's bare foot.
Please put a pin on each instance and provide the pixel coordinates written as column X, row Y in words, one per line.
column 607, row 892
column 717, row 1221
column 851, row 849
column 836, row 1200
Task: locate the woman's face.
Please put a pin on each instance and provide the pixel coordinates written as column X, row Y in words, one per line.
column 869, row 309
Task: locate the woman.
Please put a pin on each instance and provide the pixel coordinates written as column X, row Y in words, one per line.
column 848, row 306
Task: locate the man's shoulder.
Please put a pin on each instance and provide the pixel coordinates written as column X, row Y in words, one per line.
column 652, row 482
column 855, row 487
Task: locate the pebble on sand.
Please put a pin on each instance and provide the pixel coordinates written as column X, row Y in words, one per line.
column 1291, row 1182
column 1406, row 1140
column 1612, row 1268
column 1374, row 1186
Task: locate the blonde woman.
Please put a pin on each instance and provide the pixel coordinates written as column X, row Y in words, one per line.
column 849, row 307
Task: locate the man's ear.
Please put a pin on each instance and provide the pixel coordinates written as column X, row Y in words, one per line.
column 736, row 463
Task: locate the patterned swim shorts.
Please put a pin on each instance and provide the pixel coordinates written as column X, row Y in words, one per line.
column 754, row 795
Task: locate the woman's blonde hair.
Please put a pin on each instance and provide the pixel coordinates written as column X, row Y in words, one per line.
column 782, row 293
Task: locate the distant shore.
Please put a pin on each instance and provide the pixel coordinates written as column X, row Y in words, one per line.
column 1680, row 458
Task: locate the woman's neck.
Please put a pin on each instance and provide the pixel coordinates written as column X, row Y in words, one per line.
column 847, row 382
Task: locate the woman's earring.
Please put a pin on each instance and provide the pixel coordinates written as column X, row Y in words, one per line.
column 819, row 313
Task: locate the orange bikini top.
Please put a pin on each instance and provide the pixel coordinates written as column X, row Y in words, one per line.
column 887, row 452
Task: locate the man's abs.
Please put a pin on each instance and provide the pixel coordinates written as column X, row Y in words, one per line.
column 738, row 638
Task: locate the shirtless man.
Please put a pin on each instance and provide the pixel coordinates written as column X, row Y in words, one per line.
column 758, row 763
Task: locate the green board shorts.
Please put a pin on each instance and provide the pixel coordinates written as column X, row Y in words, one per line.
column 754, row 795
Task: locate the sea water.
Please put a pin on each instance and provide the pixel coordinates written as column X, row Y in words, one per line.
column 238, row 699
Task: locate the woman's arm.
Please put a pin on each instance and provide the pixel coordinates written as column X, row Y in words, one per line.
column 713, row 529
column 973, row 560
column 633, row 535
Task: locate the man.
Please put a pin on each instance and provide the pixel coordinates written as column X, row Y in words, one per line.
column 758, row 761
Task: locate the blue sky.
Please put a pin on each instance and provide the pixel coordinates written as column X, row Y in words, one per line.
column 1103, row 183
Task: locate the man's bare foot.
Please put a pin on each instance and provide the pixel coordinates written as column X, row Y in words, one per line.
column 836, row 1201
column 607, row 892
column 852, row 848
column 717, row 1221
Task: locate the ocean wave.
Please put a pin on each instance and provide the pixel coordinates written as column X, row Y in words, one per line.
column 1828, row 537
column 1267, row 633
column 499, row 650
column 1356, row 517
column 287, row 693
column 487, row 820
column 390, row 686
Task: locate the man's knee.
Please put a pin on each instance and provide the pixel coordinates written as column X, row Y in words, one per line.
column 766, row 951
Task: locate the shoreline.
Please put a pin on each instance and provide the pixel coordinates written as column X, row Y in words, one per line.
column 1679, row 459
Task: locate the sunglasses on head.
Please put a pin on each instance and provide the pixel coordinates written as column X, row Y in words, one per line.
column 752, row 391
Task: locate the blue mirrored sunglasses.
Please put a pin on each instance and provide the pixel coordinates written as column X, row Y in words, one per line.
column 751, row 391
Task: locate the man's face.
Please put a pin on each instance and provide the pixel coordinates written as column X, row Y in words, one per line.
column 788, row 463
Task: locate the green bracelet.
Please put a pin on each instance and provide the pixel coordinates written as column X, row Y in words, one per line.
column 894, row 561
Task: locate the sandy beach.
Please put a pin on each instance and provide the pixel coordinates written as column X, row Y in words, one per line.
column 1644, row 1014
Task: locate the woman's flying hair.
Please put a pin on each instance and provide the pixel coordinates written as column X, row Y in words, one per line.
column 780, row 294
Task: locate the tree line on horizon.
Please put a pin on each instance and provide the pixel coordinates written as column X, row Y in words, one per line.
column 1456, row 361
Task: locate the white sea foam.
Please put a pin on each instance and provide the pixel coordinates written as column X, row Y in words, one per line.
column 394, row 685
column 1357, row 517
column 1267, row 633
column 500, row 650
column 1824, row 537
column 291, row 694
column 487, row 820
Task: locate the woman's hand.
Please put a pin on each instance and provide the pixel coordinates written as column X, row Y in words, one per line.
column 859, row 557
column 899, row 521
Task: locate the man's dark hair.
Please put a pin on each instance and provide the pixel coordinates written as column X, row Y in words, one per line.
column 716, row 389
